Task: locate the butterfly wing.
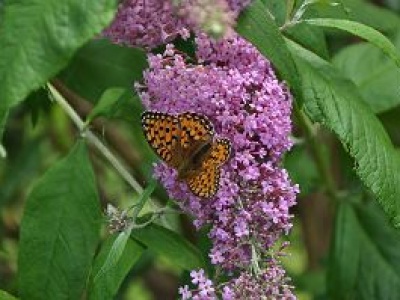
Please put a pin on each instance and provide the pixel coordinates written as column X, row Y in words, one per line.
column 205, row 182
column 221, row 151
column 196, row 130
column 162, row 132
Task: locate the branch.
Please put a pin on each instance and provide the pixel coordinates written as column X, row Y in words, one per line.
column 93, row 139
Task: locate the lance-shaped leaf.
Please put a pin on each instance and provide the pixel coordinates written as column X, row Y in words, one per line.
column 368, row 33
column 60, row 230
column 106, row 286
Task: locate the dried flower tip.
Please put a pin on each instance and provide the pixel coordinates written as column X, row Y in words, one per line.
column 117, row 220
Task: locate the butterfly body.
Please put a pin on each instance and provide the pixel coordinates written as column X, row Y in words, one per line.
column 186, row 143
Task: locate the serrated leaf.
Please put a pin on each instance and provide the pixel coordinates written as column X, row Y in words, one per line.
column 6, row 296
column 60, row 230
column 334, row 101
column 363, row 31
column 171, row 245
column 376, row 76
column 39, row 37
column 107, row 104
column 101, row 65
column 106, row 286
column 364, row 255
column 257, row 26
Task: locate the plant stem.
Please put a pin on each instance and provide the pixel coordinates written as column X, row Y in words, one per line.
column 315, row 145
column 143, row 198
column 93, row 139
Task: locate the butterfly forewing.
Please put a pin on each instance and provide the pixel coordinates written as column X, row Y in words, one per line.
column 194, row 128
column 162, row 132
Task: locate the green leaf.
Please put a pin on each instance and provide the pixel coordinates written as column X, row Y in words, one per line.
column 364, row 255
column 335, row 102
column 363, row 31
column 6, row 296
column 311, row 38
column 106, row 286
column 363, row 12
column 101, row 65
column 114, row 254
column 39, row 37
column 376, row 76
column 257, row 26
column 60, row 230
column 171, row 245
column 345, row 253
column 107, row 104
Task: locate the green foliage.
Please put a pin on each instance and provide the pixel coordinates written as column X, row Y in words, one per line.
column 100, row 65
column 113, row 256
column 107, row 104
column 376, row 76
column 361, row 11
column 363, row 31
column 60, row 230
column 106, row 286
column 171, row 245
column 364, row 262
column 335, row 102
column 6, row 296
column 36, row 42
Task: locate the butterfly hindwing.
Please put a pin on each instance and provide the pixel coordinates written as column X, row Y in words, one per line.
column 205, row 183
column 220, row 152
column 162, row 132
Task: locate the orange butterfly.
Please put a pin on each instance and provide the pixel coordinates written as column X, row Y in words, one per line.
column 185, row 142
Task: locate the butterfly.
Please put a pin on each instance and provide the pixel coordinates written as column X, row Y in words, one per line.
column 186, row 142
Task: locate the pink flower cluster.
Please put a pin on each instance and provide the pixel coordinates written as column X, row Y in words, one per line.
column 236, row 88
column 150, row 23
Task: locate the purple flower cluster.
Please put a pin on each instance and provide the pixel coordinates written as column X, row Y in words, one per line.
column 150, row 23
column 236, row 88
column 269, row 284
